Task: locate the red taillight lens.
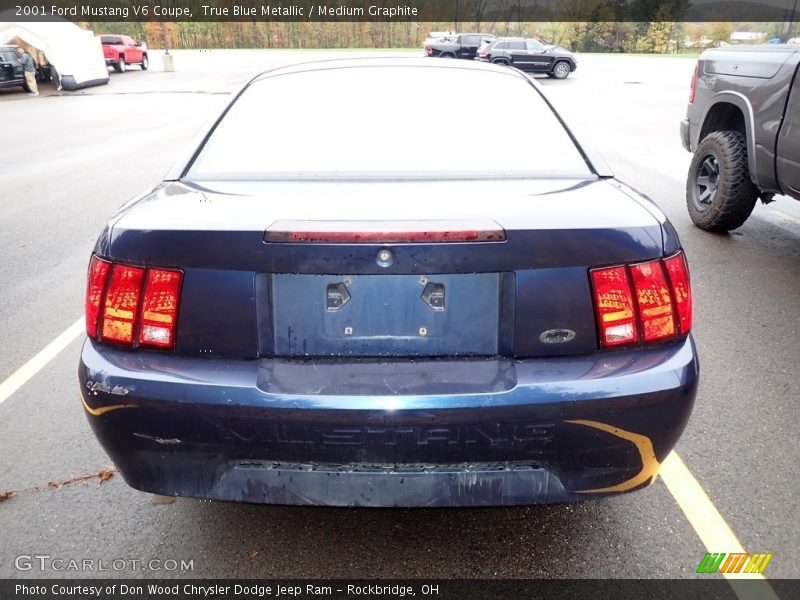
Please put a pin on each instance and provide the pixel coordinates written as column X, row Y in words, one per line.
column 661, row 310
column 160, row 308
column 122, row 303
column 122, row 300
column 614, row 302
column 693, row 88
column 654, row 301
column 678, row 272
column 95, row 286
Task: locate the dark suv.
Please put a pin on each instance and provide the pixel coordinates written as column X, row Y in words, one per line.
column 11, row 72
column 531, row 55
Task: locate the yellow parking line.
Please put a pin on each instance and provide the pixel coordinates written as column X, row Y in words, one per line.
column 714, row 532
column 19, row 377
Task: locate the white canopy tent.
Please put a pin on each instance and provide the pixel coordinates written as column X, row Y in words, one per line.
column 75, row 53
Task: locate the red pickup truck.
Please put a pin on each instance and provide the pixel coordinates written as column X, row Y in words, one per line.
column 121, row 51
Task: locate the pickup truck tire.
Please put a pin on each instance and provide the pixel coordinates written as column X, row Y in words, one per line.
column 145, row 63
column 447, row 55
column 121, row 67
column 500, row 61
column 719, row 193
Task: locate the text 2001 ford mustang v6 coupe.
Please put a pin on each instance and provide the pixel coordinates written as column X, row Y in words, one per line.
column 311, row 310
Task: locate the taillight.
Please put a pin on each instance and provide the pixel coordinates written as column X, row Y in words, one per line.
column 160, row 308
column 678, row 272
column 95, row 288
column 122, row 300
column 644, row 302
column 121, row 305
column 654, row 301
column 693, row 88
column 614, row 302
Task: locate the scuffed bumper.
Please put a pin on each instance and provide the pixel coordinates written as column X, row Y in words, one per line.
column 476, row 432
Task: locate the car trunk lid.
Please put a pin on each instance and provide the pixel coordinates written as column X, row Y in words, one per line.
column 519, row 286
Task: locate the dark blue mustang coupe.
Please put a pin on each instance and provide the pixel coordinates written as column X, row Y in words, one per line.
column 318, row 307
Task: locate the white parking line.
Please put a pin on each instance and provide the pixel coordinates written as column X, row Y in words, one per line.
column 714, row 532
column 784, row 215
column 19, row 377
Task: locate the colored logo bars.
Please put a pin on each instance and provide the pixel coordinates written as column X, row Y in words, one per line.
column 734, row 563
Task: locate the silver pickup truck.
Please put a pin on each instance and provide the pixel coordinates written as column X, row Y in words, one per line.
column 743, row 126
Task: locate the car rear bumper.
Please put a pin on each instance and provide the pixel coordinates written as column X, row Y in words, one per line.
column 472, row 432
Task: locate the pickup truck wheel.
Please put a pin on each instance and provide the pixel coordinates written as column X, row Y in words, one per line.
column 447, row 55
column 719, row 193
column 145, row 63
column 121, row 67
column 561, row 70
column 500, row 61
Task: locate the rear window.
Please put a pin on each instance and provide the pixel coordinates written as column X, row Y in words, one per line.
column 377, row 121
column 110, row 39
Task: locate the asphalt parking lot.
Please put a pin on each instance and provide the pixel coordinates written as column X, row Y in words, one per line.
column 69, row 160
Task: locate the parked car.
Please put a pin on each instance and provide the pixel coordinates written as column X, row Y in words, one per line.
column 484, row 45
column 121, row 51
column 531, row 55
column 11, row 72
column 349, row 323
column 463, row 45
column 436, row 36
column 743, row 126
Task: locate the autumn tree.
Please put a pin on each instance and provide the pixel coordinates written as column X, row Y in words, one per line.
column 720, row 32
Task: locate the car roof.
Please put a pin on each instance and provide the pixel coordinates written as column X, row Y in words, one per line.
column 388, row 62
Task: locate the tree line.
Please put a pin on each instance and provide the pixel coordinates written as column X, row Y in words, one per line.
column 658, row 36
